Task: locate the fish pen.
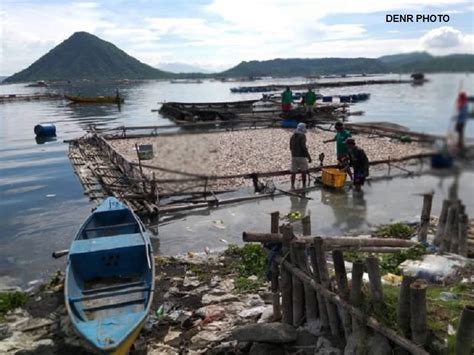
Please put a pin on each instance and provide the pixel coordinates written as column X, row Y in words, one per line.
column 30, row 97
column 264, row 110
column 317, row 85
column 193, row 170
column 307, row 288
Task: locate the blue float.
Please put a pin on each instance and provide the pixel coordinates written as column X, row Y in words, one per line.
column 344, row 98
column 289, row 123
column 327, row 98
column 45, row 130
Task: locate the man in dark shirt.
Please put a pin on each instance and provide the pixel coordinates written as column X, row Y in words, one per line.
column 359, row 162
column 299, row 154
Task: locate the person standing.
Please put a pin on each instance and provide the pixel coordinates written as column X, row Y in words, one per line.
column 300, row 157
column 461, row 117
column 286, row 100
column 342, row 151
column 309, row 100
column 359, row 162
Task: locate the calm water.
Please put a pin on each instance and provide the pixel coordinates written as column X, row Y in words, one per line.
column 42, row 203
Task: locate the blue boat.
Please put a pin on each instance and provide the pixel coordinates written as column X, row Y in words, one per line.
column 110, row 278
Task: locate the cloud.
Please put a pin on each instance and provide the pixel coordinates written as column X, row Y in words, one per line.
column 448, row 39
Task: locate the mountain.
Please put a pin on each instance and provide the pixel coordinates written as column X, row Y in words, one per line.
column 182, row 68
column 399, row 59
column 85, row 56
column 307, row 67
column 456, row 63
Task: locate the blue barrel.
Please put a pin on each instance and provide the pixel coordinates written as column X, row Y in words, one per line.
column 327, row 98
column 344, row 98
column 289, row 123
column 45, row 130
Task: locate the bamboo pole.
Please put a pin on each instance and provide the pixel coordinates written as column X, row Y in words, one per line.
column 286, row 280
column 310, row 296
column 342, row 287
column 325, row 282
column 463, row 231
column 275, row 284
column 465, row 332
column 447, row 235
column 375, row 282
column 418, row 311
column 323, row 314
column 425, row 216
column 298, row 290
column 370, row 321
column 356, row 295
column 438, row 241
column 331, row 242
column 403, row 306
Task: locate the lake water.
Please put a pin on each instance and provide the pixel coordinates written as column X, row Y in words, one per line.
column 42, row 202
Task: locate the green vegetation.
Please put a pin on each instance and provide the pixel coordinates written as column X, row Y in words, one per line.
column 439, row 313
column 396, row 230
column 11, row 300
column 390, row 262
column 248, row 261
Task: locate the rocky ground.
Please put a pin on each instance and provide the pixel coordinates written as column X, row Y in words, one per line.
column 248, row 151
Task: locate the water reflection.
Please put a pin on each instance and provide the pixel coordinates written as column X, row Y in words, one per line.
column 349, row 213
column 299, row 204
column 43, row 140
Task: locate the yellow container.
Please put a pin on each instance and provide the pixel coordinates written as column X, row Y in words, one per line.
column 333, row 177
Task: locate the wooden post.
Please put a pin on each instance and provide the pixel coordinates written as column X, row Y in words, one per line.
column 403, row 307
column 342, row 287
column 323, row 273
column 418, row 311
column 286, row 282
column 323, row 314
column 310, row 300
column 465, row 333
column 298, row 290
column 425, row 216
column 356, row 295
column 443, row 217
column 306, row 221
column 452, row 211
column 454, row 247
column 309, row 294
column 275, row 283
column 375, row 282
column 463, row 231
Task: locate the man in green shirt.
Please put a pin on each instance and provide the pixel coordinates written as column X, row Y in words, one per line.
column 342, row 134
column 286, row 100
column 309, row 100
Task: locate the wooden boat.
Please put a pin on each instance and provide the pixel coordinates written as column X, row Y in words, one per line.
column 110, row 278
column 95, row 99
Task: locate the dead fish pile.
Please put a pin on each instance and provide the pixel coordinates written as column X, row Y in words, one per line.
column 249, row 151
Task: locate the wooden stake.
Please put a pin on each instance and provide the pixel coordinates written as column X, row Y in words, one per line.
column 275, row 284
column 463, row 231
column 306, row 221
column 286, row 281
column 447, row 235
column 403, row 306
column 298, row 290
column 425, row 216
column 465, row 333
column 325, row 282
column 342, row 287
column 310, row 300
column 356, row 294
column 323, row 314
column 375, row 282
column 418, row 311
column 443, row 217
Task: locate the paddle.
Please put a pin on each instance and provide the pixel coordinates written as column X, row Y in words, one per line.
column 60, row 253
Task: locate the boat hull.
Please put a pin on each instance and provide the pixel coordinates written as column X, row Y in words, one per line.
column 95, row 100
column 110, row 278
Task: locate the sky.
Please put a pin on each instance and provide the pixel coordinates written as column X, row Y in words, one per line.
column 219, row 34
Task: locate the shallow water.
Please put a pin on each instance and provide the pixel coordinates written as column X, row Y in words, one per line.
column 42, row 203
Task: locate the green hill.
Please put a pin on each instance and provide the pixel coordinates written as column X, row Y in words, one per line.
column 85, row 56
column 400, row 59
column 307, row 67
column 459, row 63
